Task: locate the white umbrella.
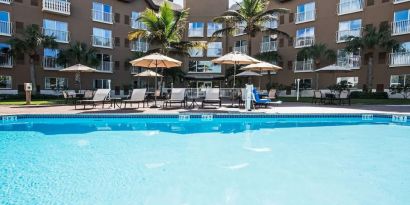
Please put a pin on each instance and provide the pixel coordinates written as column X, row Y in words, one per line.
column 248, row 74
column 78, row 69
column 262, row 66
column 330, row 68
column 148, row 74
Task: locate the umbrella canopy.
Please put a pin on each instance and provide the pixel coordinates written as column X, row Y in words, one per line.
column 262, row 66
column 148, row 73
column 248, row 74
column 235, row 58
column 333, row 68
column 79, row 69
column 156, row 60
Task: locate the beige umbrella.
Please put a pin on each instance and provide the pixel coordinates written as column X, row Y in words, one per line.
column 262, row 66
column 156, row 61
column 248, row 74
column 148, row 74
column 78, row 69
column 330, row 69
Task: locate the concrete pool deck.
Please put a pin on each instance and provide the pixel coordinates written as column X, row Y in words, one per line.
column 285, row 108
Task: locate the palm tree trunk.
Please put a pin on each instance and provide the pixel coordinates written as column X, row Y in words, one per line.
column 370, row 75
column 33, row 76
column 249, row 45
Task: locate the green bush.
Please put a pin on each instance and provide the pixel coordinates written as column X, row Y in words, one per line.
column 366, row 95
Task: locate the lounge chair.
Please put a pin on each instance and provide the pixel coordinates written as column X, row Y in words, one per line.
column 177, row 96
column 318, row 96
column 262, row 102
column 137, row 96
column 100, row 96
column 88, row 95
column 272, row 94
column 212, row 96
column 343, row 97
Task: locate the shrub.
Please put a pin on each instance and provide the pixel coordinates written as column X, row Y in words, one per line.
column 366, row 95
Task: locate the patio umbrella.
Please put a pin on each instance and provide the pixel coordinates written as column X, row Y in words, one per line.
column 148, row 74
column 248, row 74
column 156, row 61
column 262, row 66
column 332, row 69
column 78, row 69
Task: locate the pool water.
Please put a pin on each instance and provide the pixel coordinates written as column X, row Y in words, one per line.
column 249, row 161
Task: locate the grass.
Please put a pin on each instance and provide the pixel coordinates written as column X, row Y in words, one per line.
column 357, row 101
column 34, row 102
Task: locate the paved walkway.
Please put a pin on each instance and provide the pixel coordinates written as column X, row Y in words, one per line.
column 285, row 108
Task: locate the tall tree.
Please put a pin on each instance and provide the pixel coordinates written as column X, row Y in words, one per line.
column 253, row 14
column 318, row 53
column 373, row 39
column 78, row 53
column 32, row 42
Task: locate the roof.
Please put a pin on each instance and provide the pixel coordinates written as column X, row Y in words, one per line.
column 155, row 4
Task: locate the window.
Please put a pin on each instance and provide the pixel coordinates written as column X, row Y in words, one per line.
column 349, row 6
column 57, row 29
column 348, row 29
column 401, row 56
column 305, row 12
column 352, row 82
column 102, row 84
column 401, row 24
column 240, row 29
column 102, row 12
column 102, row 38
column 50, row 59
column 6, row 59
column 5, row 24
column 214, row 49
column 196, row 29
column 106, row 63
column 5, row 82
column 196, row 52
column 347, row 59
column 212, row 27
column 135, row 24
column 139, row 45
column 203, row 67
column 53, row 83
column 241, row 46
column 305, row 37
column 268, row 44
column 305, row 83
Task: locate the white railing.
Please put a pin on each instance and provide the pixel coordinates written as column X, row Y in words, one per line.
column 57, row 6
column 401, row 27
column 5, row 1
column 400, row 59
column 50, row 63
column 6, row 60
column 303, row 66
column 196, row 32
column 101, row 16
column 399, row 1
column 105, row 66
column 307, row 41
column 272, row 24
column 60, row 36
column 139, row 46
column 342, row 36
column 5, row 28
column 269, row 46
column 100, row 41
column 305, row 16
column 349, row 7
column 241, row 49
column 214, row 52
column 138, row 24
column 349, row 61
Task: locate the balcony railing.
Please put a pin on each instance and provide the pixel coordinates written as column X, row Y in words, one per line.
column 342, row 36
column 5, row 1
column 139, row 46
column 269, row 46
column 400, row 59
column 60, row 36
column 273, row 24
column 138, row 24
column 50, row 63
column 101, row 16
column 305, row 16
column 5, row 28
column 242, row 49
column 303, row 66
column 399, row 1
column 401, row 27
column 349, row 61
column 350, row 7
column 196, row 32
column 103, row 42
column 307, row 41
column 105, row 66
column 57, row 6
column 6, row 60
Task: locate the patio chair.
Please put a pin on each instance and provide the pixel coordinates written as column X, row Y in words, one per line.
column 70, row 96
column 343, row 97
column 100, row 96
column 88, row 94
column 212, row 96
column 262, row 102
column 242, row 99
column 318, row 96
column 177, row 96
column 272, row 94
column 137, row 96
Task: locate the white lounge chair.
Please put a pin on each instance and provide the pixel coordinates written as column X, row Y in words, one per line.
column 137, row 96
column 177, row 96
column 100, row 96
column 212, row 96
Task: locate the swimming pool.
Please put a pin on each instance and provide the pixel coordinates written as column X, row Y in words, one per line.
column 205, row 160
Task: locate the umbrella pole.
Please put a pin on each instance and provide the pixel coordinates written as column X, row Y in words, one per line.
column 155, row 87
column 260, row 79
column 317, row 81
column 234, row 81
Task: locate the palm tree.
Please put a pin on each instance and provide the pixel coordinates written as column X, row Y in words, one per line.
column 372, row 40
column 271, row 56
column 253, row 14
column 318, row 53
column 32, row 43
column 78, row 53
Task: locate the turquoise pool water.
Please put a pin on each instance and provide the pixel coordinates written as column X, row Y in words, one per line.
column 253, row 161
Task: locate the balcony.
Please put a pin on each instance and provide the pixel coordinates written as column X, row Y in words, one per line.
column 196, row 32
column 5, row 28
column 5, row 1
column 139, row 46
column 303, row 66
column 102, row 42
column 57, row 6
column 106, row 67
column 349, row 7
column 306, row 16
column 6, row 60
column 349, row 61
column 343, row 36
column 138, row 24
column 269, row 46
column 101, row 16
column 400, row 1
column 307, row 41
column 399, row 59
column 241, row 49
column 60, row 36
column 401, row 27
column 50, row 63
column 273, row 24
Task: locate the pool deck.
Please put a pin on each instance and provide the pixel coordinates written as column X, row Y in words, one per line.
column 285, row 108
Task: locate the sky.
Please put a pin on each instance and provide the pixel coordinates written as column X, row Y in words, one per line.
column 180, row 2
